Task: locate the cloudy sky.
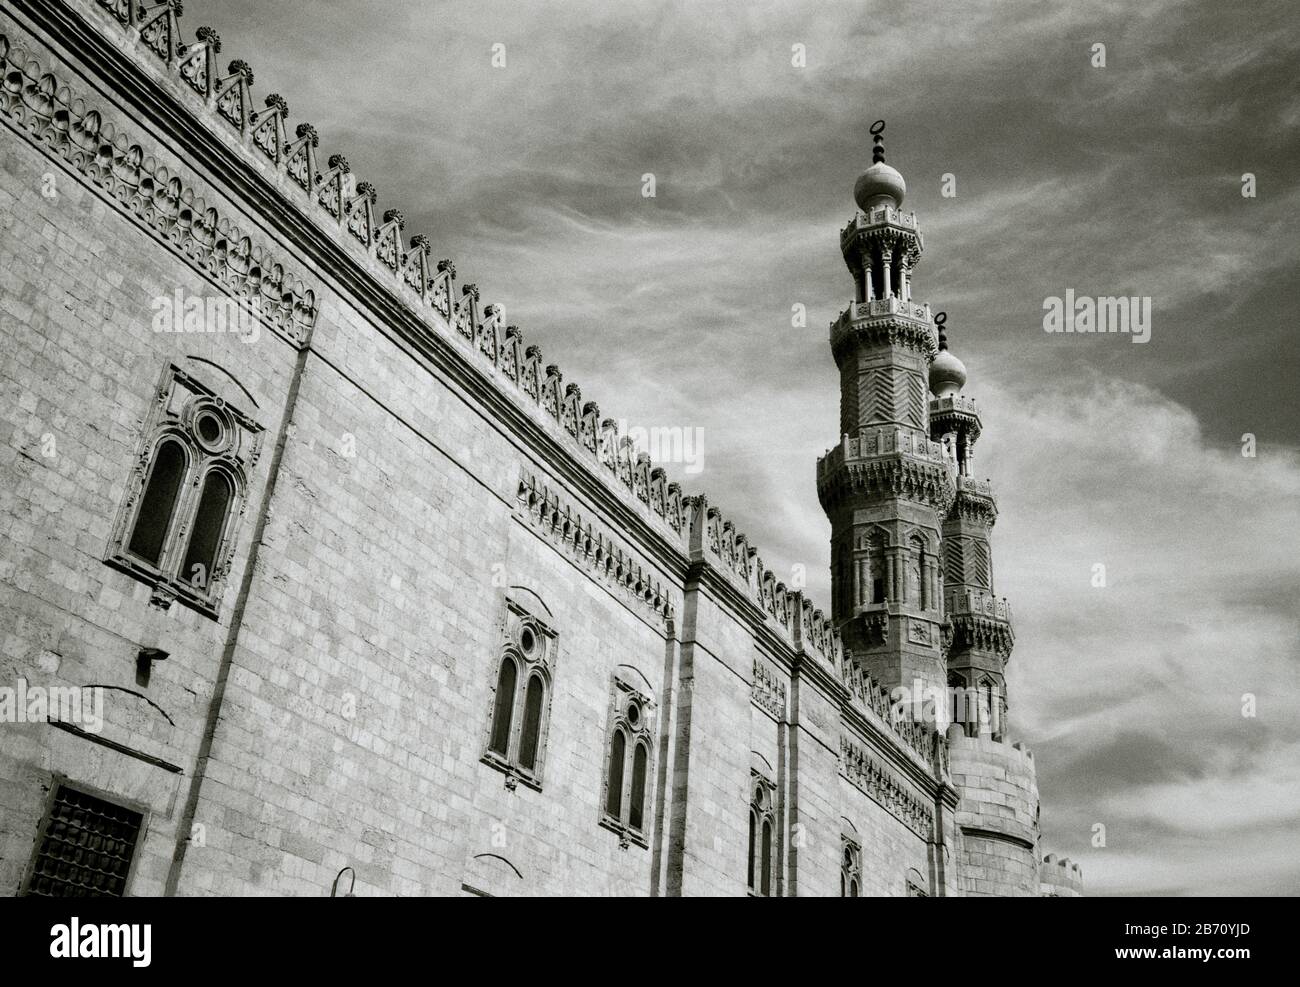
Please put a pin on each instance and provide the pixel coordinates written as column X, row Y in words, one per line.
column 676, row 310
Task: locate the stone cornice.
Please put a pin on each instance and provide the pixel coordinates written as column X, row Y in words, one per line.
column 974, row 632
column 893, row 475
column 888, row 321
column 975, row 501
column 225, row 163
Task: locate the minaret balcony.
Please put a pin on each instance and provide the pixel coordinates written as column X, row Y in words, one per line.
column 954, row 404
column 977, row 488
column 885, row 440
column 878, row 218
column 977, row 602
column 979, row 621
column 888, row 320
column 888, row 462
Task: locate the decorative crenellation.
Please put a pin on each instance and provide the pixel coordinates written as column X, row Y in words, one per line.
column 547, row 511
column 807, row 627
column 886, row 789
column 768, row 690
column 1060, row 877
column 44, row 110
column 873, row 697
column 336, row 199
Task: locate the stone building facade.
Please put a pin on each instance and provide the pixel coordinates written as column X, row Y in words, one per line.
column 362, row 582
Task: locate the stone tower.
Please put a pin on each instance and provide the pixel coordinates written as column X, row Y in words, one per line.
column 888, row 485
column 980, row 623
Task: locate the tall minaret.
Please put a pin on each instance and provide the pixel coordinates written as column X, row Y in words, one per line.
column 887, row 486
column 980, row 622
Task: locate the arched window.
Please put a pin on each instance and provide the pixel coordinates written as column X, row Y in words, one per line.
column 767, row 858
column 153, row 520
column 959, row 707
column 505, row 706
column 617, row 753
column 630, row 749
column 530, row 733
column 516, row 742
column 918, row 572
column 205, row 534
column 182, row 508
column 753, row 835
column 876, row 566
column 636, row 809
column 850, row 869
column 762, row 827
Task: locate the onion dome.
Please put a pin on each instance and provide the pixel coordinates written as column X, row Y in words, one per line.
column 947, row 373
column 879, row 184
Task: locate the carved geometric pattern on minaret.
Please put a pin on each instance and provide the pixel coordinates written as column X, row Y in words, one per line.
column 954, row 565
column 982, row 564
column 849, row 402
column 916, row 403
column 883, row 394
column 874, row 398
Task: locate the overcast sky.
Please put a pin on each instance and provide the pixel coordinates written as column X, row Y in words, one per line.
column 676, row 311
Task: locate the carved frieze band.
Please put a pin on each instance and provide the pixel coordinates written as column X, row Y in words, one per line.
column 807, row 627
column 880, row 784
column 768, row 690
column 874, row 697
column 554, row 517
column 42, row 109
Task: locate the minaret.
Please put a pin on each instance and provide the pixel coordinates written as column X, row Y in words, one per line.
column 980, row 623
column 887, row 486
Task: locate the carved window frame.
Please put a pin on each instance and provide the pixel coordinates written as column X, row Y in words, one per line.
column 632, row 713
column 533, row 645
column 762, row 813
column 850, row 867
column 182, row 405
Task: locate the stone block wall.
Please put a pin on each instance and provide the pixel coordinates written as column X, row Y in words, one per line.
column 998, row 815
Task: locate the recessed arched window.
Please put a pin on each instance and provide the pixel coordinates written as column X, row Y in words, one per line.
column 504, row 709
column 530, row 732
column 850, row 869
column 205, row 535
column 630, row 750
column 636, row 810
column 153, row 520
column 614, row 793
column 876, row 567
column 959, row 706
column 184, row 499
column 767, row 858
column 516, row 742
column 753, row 839
column 762, row 828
